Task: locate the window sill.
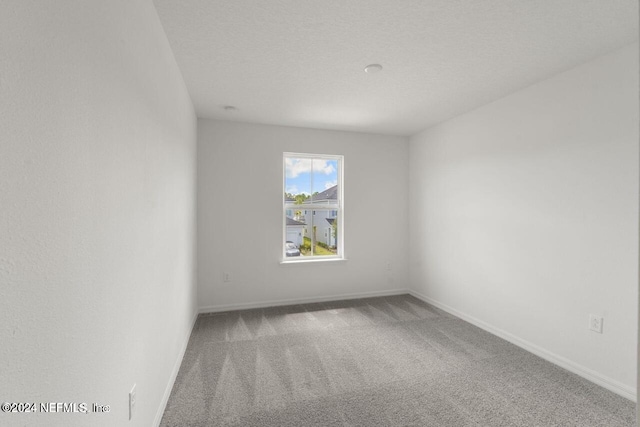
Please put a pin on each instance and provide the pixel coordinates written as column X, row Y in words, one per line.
column 311, row 261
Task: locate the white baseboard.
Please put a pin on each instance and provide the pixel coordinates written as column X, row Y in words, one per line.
column 174, row 374
column 275, row 303
column 586, row 373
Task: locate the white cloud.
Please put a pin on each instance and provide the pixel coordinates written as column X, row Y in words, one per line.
column 323, row 166
column 329, row 184
column 296, row 167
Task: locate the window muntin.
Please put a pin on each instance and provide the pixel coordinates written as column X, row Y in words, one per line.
column 313, row 206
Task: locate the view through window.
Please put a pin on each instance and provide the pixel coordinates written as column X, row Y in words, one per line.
column 312, row 206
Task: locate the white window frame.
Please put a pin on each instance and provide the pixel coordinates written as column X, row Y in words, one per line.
column 338, row 206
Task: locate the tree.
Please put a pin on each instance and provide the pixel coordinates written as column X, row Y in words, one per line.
column 301, row 198
column 334, row 230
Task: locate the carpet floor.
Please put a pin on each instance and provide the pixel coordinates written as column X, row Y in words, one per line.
column 388, row 361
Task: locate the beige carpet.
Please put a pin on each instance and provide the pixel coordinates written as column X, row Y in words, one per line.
column 389, row 361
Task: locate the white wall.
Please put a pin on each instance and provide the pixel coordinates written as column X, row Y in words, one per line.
column 240, row 214
column 97, row 173
column 524, row 216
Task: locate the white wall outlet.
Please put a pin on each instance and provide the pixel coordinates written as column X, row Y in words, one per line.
column 595, row 323
column 132, row 401
column 226, row 277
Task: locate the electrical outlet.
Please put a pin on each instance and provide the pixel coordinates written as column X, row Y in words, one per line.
column 226, row 277
column 132, row 401
column 595, row 323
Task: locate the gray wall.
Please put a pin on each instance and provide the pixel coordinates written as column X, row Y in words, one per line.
column 97, row 160
column 240, row 193
column 524, row 217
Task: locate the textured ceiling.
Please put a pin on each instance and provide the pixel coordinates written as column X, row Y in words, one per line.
column 300, row 62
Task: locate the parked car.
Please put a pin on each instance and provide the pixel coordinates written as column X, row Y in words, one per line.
column 291, row 249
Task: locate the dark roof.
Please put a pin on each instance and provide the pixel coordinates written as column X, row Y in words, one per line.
column 328, row 194
column 330, row 220
column 291, row 221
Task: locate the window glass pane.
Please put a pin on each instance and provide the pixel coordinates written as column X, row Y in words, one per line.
column 322, row 233
column 310, row 184
column 297, row 180
column 294, row 238
column 311, row 234
column 324, row 181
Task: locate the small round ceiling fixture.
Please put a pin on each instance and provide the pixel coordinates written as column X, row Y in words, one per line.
column 230, row 108
column 372, row 68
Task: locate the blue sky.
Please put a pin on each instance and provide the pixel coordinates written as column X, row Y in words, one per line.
column 299, row 171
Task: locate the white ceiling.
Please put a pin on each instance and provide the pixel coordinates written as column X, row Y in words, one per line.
column 300, row 62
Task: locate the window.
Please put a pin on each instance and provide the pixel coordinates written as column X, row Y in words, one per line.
column 312, row 207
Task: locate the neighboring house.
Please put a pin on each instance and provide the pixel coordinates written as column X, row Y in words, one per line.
column 290, row 210
column 295, row 222
column 294, row 231
column 322, row 220
column 299, row 218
